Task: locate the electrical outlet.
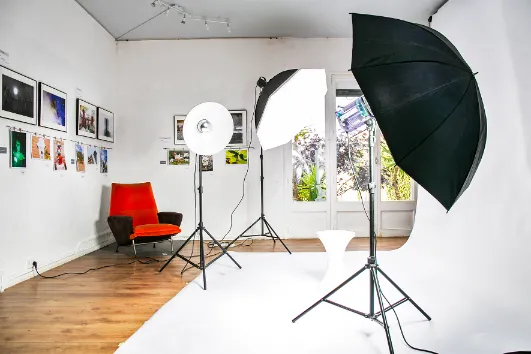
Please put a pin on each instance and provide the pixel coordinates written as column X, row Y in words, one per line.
column 29, row 263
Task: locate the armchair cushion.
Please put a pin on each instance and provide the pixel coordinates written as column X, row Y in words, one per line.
column 152, row 230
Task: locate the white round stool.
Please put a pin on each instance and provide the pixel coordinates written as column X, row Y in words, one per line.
column 335, row 243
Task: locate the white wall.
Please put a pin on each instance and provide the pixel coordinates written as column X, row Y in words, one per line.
column 54, row 216
column 158, row 79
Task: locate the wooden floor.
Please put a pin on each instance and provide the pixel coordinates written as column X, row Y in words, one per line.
column 95, row 312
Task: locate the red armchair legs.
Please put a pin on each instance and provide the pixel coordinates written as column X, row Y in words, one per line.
column 134, row 218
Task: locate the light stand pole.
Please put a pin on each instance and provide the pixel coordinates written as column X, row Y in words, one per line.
column 271, row 233
column 371, row 265
column 200, row 229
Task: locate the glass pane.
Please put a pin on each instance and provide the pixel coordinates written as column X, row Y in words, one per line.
column 357, row 164
column 308, row 163
column 396, row 184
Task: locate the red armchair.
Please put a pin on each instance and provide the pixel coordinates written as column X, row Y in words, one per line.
column 134, row 218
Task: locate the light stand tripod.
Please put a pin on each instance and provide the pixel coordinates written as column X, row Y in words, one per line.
column 271, row 232
column 371, row 265
column 200, row 229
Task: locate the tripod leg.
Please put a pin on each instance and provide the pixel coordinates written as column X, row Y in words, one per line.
column 405, row 295
column 329, row 294
column 374, row 276
column 269, row 230
column 275, row 233
column 175, row 254
column 202, row 258
column 222, row 248
column 240, row 235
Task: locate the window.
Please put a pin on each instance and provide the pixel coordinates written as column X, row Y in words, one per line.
column 395, row 184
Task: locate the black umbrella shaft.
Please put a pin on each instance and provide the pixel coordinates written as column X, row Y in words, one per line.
column 372, row 187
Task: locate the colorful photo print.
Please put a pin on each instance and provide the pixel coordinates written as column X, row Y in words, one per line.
column 104, row 160
column 86, row 119
column 80, row 158
column 18, row 149
column 92, row 155
column 19, row 97
column 236, row 157
column 239, row 135
column 40, row 148
column 207, row 163
column 178, row 157
column 59, row 157
column 52, row 108
column 179, row 130
column 105, row 125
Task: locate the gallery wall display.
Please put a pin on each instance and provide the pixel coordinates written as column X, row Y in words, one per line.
column 19, row 96
column 105, row 125
column 86, row 119
column 239, row 135
column 80, row 158
column 178, row 157
column 236, row 157
column 207, row 163
column 59, row 157
column 104, row 160
column 18, row 149
column 40, row 148
column 52, row 108
column 178, row 130
column 92, row 155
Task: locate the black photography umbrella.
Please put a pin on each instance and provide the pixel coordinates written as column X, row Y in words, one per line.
column 425, row 99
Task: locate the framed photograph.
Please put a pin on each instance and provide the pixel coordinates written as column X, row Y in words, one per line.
column 80, row 158
column 236, row 157
column 92, row 155
column 52, row 108
column 105, row 125
column 40, row 148
column 86, row 119
column 207, row 163
column 19, row 97
column 18, row 149
column 239, row 135
column 178, row 157
column 59, row 155
column 178, row 130
column 104, row 160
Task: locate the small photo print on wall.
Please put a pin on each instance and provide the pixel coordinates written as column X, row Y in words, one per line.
column 207, row 163
column 86, row 119
column 179, row 132
column 105, row 125
column 19, row 97
column 52, row 108
column 18, row 149
column 59, row 157
column 40, row 148
column 104, row 160
column 178, row 157
column 92, row 155
column 239, row 135
column 236, row 157
column 80, row 158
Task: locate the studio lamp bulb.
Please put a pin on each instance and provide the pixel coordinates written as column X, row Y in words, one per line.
column 204, row 126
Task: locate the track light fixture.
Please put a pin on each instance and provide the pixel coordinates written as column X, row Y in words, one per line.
column 228, row 28
column 190, row 16
column 183, row 21
column 206, row 25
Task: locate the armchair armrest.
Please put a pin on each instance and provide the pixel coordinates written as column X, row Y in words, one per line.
column 121, row 228
column 170, row 218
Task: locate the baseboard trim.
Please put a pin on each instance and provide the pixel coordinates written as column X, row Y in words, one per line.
column 95, row 243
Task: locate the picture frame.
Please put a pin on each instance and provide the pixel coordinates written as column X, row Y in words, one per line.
column 19, row 96
column 178, row 126
column 178, row 157
column 104, row 160
column 86, row 119
column 236, row 156
column 18, row 149
column 53, row 108
column 239, row 135
column 105, row 125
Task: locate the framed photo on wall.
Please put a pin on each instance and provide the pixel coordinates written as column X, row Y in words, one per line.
column 178, row 130
column 19, row 97
column 178, row 157
column 105, row 125
column 19, row 155
column 86, row 119
column 52, row 108
column 239, row 135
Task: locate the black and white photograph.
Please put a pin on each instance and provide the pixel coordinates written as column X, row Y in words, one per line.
column 239, row 136
column 105, row 125
column 178, row 126
column 19, row 97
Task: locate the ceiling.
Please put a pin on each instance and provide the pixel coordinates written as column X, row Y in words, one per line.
column 249, row 18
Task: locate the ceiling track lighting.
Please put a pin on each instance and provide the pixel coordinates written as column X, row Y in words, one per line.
column 188, row 16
